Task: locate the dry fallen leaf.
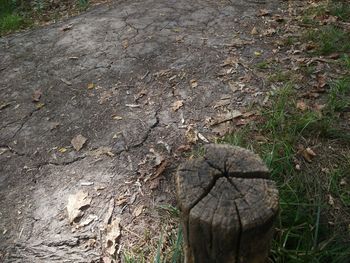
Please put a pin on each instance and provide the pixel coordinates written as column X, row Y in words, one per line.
column 183, row 148
column 78, row 142
column 307, row 153
column 301, row 105
column 39, row 105
column 254, row 31
column 113, row 235
column 161, row 168
column 310, row 151
column 191, row 135
column 177, row 105
column 125, row 43
column 91, row 86
column 101, row 151
column 263, row 12
column 36, row 96
column 193, row 83
column 138, row 211
column 62, row 150
column 76, row 202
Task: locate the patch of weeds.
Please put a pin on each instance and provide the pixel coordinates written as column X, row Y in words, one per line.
column 289, row 41
column 262, row 65
column 280, row 76
column 308, row 70
column 340, row 9
column 329, row 39
column 303, row 230
column 83, row 4
column 196, row 151
column 339, row 182
column 339, row 95
column 345, row 61
column 10, row 18
column 11, row 22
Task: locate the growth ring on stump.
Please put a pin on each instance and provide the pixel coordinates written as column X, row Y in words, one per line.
column 228, row 206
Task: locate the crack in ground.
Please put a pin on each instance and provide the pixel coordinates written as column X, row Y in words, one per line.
column 12, row 150
column 24, row 121
column 65, row 163
column 145, row 137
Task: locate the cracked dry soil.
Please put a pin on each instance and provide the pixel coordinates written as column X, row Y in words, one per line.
column 141, row 56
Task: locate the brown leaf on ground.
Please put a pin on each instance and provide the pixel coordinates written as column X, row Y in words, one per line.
column 78, row 142
column 321, row 81
column 161, row 168
column 122, row 200
column 91, row 86
column 103, row 150
column 125, row 44
column 254, row 31
column 39, row 105
column 112, row 237
column 76, row 202
column 177, row 105
column 308, row 154
column 194, row 83
column 301, row 105
column 138, row 211
column 154, row 184
column 230, row 61
column 36, row 96
column 184, row 148
column 263, row 12
column 191, row 135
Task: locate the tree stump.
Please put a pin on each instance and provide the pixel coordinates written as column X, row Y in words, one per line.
column 228, row 206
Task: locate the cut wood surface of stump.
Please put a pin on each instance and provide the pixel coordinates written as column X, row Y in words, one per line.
column 228, row 206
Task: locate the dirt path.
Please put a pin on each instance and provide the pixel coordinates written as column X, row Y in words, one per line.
column 113, row 76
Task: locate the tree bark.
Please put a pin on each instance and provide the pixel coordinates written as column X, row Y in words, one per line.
column 228, row 206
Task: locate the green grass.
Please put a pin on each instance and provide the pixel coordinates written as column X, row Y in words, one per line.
column 11, row 22
column 19, row 14
column 345, row 61
column 83, row 4
column 10, row 18
column 339, row 95
column 329, row 39
column 336, row 8
column 303, row 231
column 262, row 65
column 340, row 9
